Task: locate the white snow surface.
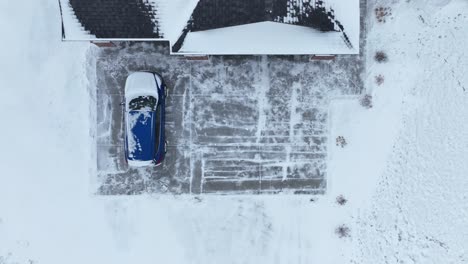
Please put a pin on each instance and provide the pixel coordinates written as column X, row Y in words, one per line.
column 141, row 84
column 173, row 16
column 72, row 27
column 265, row 38
column 406, row 157
column 347, row 12
column 403, row 171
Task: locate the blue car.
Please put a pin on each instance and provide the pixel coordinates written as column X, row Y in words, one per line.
column 145, row 95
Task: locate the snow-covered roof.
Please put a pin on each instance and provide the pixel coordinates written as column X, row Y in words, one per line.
column 220, row 26
column 257, row 38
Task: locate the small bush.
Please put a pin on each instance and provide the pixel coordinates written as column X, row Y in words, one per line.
column 366, row 101
column 343, row 231
column 381, row 13
column 341, row 200
column 379, row 79
column 381, row 57
column 341, row 141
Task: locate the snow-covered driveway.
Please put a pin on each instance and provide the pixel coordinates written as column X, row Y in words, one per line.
column 234, row 123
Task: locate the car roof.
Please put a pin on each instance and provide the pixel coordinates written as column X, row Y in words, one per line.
column 141, row 135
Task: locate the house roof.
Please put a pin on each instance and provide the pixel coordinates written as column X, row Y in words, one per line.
column 220, row 26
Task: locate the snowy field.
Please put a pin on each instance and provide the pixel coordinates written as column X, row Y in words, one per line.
column 403, row 171
column 235, row 124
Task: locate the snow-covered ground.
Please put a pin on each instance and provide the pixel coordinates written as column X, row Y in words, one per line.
column 408, row 153
column 233, row 123
column 403, row 171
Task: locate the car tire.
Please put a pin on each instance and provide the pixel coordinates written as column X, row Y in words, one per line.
column 165, row 147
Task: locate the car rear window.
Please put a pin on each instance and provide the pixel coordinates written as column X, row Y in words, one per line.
column 143, row 103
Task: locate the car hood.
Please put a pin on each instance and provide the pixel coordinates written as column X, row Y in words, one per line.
column 141, row 83
column 141, row 135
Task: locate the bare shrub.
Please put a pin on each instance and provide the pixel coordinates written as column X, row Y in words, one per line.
column 381, row 13
column 341, row 141
column 366, row 101
column 343, row 231
column 379, row 79
column 381, row 57
column 341, row 200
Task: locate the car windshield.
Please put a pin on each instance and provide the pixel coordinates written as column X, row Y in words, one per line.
column 143, row 103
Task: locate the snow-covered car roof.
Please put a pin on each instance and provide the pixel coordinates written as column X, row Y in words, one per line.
column 220, row 26
column 140, row 137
